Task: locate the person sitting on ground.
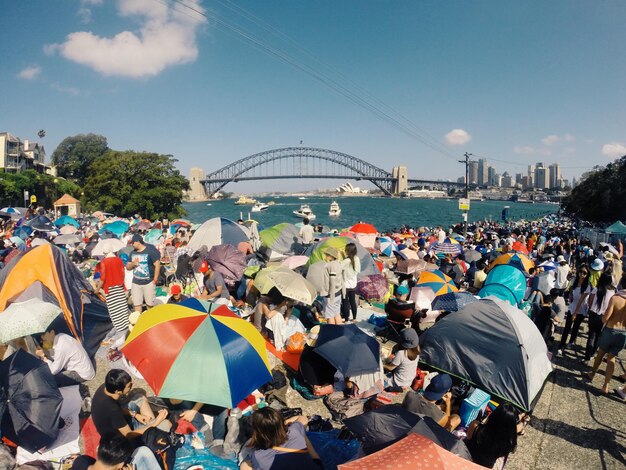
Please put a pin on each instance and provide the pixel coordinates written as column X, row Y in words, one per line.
column 177, row 294
column 109, row 415
column 195, row 413
column 480, row 276
column 435, row 402
column 215, row 288
column 70, row 364
column 399, row 309
column 279, row 444
column 613, row 337
column 117, row 453
column 493, row 437
column 403, row 366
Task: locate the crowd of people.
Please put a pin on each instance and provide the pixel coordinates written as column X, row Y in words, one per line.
column 568, row 281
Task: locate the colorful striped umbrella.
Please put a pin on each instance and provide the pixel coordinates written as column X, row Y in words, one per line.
column 185, row 353
column 448, row 247
column 386, row 246
column 437, row 281
column 517, row 260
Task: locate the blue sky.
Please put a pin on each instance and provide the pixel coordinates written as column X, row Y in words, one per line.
column 518, row 82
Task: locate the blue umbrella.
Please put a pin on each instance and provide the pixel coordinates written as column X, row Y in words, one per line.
column 10, row 210
column 41, row 223
column 452, row 301
column 66, row 220
column 349, row 349
column 119, row 228
column 23, row 232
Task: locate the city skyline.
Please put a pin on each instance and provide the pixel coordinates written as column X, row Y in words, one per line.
column 403, row 83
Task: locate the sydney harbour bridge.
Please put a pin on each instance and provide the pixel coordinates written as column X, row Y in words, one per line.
column 316, row 163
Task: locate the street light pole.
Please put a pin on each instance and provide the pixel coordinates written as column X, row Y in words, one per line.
column 466, row 161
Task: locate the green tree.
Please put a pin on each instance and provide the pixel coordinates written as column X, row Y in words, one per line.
column 45, row 187
column 127, row 183
column 600, row 195
column 75, row 154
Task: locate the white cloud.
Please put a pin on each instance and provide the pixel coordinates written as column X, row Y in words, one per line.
column 68, row 90
column 524, row 150
column 84, row 10
column 569, row 138
column 457, row 137
column 614, row 149
column 166, row 37
column 551, row 139
column 528, row 150
column 29, row 73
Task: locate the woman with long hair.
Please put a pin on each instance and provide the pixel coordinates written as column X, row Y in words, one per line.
column 404, row 363
column 279, row 444
column 494, row 437
column 598, row 303
column 351, row 269
column 578, row 307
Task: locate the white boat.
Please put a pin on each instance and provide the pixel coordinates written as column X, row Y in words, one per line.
column 334, row 209
column 302, row 198
column 304, row 212
column 260, row 206
column 244, row 200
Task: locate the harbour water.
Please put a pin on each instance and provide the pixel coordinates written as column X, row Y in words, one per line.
column 384, row 213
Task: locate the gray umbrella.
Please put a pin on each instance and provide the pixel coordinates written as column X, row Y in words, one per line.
column 68, row 239
column 472, row 255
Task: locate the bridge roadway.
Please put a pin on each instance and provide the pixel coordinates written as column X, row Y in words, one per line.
column 410, row 182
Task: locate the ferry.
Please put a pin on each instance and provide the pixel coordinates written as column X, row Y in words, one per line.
column 245, row 200
column 304, row 212
column 260, row 206
column 334, row 210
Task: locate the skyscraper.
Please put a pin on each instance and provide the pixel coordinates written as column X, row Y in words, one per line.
column 483, row 172
column 555, row 176
column 473, row 172
column 540, row 176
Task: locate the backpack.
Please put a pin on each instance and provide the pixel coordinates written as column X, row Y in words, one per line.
column 163, row 445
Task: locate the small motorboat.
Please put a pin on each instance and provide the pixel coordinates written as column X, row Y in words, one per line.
column 334, row 209
column 260, row 206
column 304, row 212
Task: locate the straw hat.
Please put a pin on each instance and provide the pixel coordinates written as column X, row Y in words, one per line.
column 312, row 336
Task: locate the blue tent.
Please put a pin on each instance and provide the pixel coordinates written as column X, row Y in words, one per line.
column 119, row 228
column 66, row 220
column 505, row 282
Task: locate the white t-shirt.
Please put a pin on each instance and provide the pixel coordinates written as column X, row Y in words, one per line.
column 306, row 232
column 600, row 309
column 405, row 371
column 349, row 273
column 69, row 354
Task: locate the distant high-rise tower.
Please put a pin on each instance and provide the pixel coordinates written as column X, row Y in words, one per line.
column 555, row 176
column 473, row 172
column 196, row 192
column 483, row 172
column 540, row 176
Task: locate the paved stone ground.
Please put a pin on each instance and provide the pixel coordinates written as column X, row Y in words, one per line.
column 573, row 425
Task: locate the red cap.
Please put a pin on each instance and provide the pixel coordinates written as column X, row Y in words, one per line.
column 204, row 267
column 175, row 289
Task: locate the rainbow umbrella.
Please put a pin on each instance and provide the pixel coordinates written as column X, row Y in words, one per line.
column 517, row 260
column 437, row 281
column 185, row 353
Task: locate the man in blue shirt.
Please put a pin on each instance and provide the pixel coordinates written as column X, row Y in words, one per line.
column 145, row 262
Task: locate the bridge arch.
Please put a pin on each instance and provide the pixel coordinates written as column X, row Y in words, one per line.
column 342, row 166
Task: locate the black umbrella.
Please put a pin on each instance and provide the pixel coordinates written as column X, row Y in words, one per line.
column 349, row 349
column 30, row 401
column 42, row 223
column 429, row 428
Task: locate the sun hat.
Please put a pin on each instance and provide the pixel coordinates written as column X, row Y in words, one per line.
column 560, row 259
column 402, row 289
column 409, row 338
column 137, row 238
column 597, row 265
column 175, row 289
column 438, row 387
column 330, row 251
column 312, row 336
